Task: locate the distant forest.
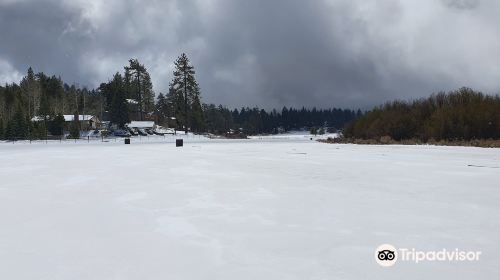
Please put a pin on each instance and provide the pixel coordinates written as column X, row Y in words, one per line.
column 130, row 96
column 459, row 115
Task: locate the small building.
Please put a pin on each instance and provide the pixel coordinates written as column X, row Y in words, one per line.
column 87, row 122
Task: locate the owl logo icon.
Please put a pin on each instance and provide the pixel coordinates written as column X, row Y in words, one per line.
column 386, row 255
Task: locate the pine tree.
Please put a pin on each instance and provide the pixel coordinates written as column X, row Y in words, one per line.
column 45, row 112
column 119, row 111
column 138, row 83
column 74, row 130
column 184, row 94
column 39, row 131
column 116, row 102
column 119, row 106
column 56, row 126
column 162, row 109
column 196, row 117
column 148, row 94
column 31, row 89
column 29, row 124
column 175, row 101
column 2, row 133
column 9, row 131
column 17, row 128
column 313, row 130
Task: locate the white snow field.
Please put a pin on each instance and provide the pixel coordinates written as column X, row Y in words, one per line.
column 264, row 208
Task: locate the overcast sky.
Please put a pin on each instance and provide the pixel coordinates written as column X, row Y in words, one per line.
column 324, row 53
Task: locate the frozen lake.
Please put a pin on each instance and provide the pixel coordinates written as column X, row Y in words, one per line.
column 265, row 208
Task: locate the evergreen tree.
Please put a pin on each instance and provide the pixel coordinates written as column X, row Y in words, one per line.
column 38, row 131
column 74, row 130
column 56, row 126
column 119, row 111
column 45, row 111
column 184, row 93
column 162, row 109
column 175, row 103
column 313, row 130
column 31, row 89
column 196, row 117
column 29, row 125
column 149, row 95
column 9, row 130
column 2, row 133
column 17, row 128
column 138, row 83
column 117, row 105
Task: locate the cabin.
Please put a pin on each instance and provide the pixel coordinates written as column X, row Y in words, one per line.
column 87, row 122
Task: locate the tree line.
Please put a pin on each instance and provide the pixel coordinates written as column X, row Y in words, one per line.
column 43, row 96
column 463, row 114
column 34, row 108
column 259, row 121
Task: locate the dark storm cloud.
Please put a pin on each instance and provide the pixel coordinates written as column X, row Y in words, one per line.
column 267, row 53
column 32, row 33
column 462, row 4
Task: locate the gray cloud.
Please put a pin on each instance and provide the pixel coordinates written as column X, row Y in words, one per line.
column 462, row 4
column 268, row 53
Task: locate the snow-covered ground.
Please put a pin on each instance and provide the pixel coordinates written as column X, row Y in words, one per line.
column 264, row 208
column 295, row 135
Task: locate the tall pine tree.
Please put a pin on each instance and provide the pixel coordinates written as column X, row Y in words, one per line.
column 139, row 86
column 162, row 109
column 114, row 92
column 18, row 127
column 184, row 95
